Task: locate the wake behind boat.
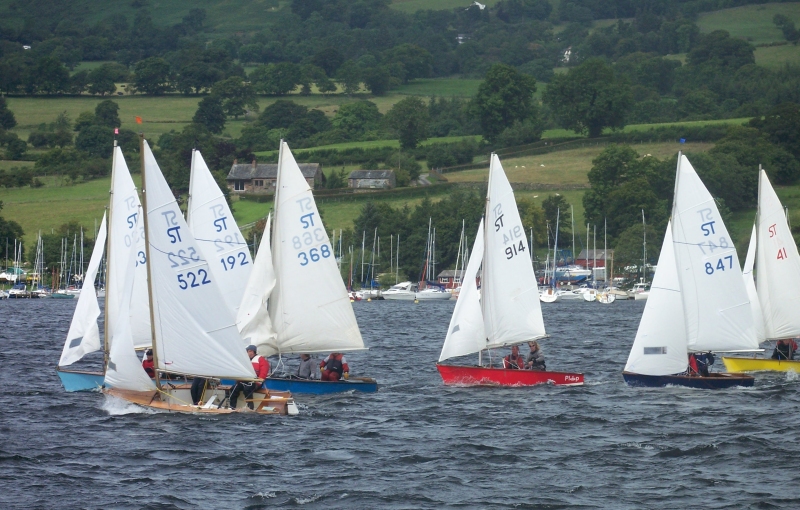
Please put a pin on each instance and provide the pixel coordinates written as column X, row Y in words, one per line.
column 507, row 311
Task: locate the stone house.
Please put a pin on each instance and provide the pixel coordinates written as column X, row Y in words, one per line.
column 259, row 178
column 372, row 179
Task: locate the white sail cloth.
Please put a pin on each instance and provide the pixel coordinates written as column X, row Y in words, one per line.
column 253, row 319
column 466, row 333
column 126, row 233
column 750, row 285
column 309, row 306
column 124, row 370
column 195, row 332
column 219, row 239
column 512, row 312
column 715, row 303
column 83, row 336
column 660, row 344
column 777, row 265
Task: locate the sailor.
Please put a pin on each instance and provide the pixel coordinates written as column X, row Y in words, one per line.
column 261, row 367
column 784, row 349
column 308, row 368
column 535, row 359
column 148, row 365
column 699, row 363
column 514, row 360
column 335, row 366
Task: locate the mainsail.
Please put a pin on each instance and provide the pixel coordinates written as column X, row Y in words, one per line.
column 512, row 312
column 715, row 303
column 218, row 237
column 253, row 319
column 750, row 285
column 777, row 265
column 309, row 306
column 195, row 333
column 466, row 333
column 660, row 344
column 84, row 336
column 126, row 233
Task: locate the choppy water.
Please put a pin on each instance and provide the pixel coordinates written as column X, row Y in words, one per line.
column 414, row 444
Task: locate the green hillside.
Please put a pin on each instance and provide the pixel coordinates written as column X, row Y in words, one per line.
column 751, row 22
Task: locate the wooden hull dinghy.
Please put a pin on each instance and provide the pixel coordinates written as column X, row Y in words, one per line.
column 485, row 376
column 733, row 364
column 697, row 303
column 314, row 387
column 714, row 381
column 80, row 380
column 177, row 399
column 507, row 311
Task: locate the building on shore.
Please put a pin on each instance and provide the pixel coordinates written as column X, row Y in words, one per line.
column 372, row 179
column 259, row 178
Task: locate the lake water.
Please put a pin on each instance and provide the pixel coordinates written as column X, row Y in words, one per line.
column 415, row 443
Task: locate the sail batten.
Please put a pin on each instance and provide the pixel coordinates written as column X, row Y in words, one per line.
column 309, row 306
column 195, row 332
column 777, row 266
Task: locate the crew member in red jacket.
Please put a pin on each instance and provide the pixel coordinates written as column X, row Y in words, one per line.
column 148, row 364
column 261, row 366
column 335, row 367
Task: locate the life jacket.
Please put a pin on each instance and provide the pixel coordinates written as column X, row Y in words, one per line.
column 149, row 367
column 256, row 361
column 514, row 362
column 334, row 364
column 693, row 365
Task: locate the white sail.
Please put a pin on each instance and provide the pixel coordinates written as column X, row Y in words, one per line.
column 309, row 306
column 126, row 233
column 84, row 336
column 715, row 303
column 218, row 237
column 195, row 332
column 466, row 334
column 660, row 344
column 124, row 369
column 511, row 309
column 253, row 319
column 750, row 285
column 777, row 266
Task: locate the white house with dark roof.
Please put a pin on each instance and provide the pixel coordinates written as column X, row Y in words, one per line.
column 260, row 177
column 372, row 179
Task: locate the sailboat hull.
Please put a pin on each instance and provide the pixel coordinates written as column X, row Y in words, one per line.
column 80, row 380
column 760, row 364
column 483, row 376
column 309, row 387
column 714, row 381
column 176, row 399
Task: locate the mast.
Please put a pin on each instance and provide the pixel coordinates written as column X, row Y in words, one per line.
column 605, row 253
column 363, row 240
column 594, row 258
column 397, row 261
column 555, row 247
column 391, row 252
column 644, row 244
column 458, row 254
column 371, row 272
column 189, row 197
column 147, row 256
column 108, row 255
column 572, row 219
column 485, row 238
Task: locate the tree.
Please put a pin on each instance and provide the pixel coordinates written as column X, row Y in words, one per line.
column 276, row 79
column 7, row 120
column 329, row 60
column 106, row 113
column 377, row 80
column 152, row 76
column 781, row 125
column 281, row 114
column 629, row 248
column 95, row 141
column 236, row 96
column 210, row 114
column 349, row 75
column 355, row 118
column 410, row 118
column 504, row 97
column 16, row 148
column 49, row 76
column 196, row 76
column 10, row 229
column 557, row 210
column 589, row 98
column 101, row 80
column 417, row 61
column 719, row 49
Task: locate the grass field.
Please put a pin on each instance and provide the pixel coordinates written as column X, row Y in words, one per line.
column 752, row 22
column 440, row 87
column 775, row 57
column 411, row 6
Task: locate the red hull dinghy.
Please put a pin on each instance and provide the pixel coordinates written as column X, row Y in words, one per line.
column 485, row 376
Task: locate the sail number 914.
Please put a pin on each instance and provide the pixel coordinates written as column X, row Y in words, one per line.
column 314, row 255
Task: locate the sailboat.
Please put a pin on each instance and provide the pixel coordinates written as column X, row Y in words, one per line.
column 193, row 333
column 507, row 311
column 605, row 297
column 284, row 317
column 125, row 235
column 698, row 301
column 777, row 265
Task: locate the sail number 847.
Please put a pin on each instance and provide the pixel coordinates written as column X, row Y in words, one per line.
column 710, row 268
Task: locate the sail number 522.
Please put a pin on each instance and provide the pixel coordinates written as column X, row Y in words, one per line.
column 710, row 268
